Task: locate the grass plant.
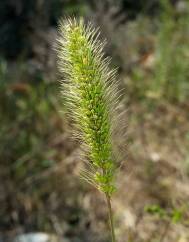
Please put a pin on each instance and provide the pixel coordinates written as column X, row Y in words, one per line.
column 91, row 98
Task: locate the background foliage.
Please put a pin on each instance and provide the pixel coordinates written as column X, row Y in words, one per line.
column 40, row 187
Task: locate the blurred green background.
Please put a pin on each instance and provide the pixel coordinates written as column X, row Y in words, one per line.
column 40, row 188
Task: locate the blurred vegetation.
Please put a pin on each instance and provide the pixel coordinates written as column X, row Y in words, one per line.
column 33, row 134
column 164, row 70
column 21, row 19
column 172, row 53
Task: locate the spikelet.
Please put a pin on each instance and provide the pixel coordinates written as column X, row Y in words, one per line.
column 90, row 96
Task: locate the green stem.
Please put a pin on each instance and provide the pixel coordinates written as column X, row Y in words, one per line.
column 110, row 217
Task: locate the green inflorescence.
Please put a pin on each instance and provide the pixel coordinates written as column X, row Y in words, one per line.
column 88, row 89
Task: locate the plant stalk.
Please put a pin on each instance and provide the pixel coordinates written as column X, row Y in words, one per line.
column 110, row 213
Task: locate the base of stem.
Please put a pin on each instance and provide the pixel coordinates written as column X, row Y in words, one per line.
column 110, row 213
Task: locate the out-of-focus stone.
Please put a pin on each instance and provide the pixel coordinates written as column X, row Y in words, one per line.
column 38, row 237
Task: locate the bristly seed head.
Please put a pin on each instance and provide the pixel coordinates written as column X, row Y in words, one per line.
column 90, row 96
